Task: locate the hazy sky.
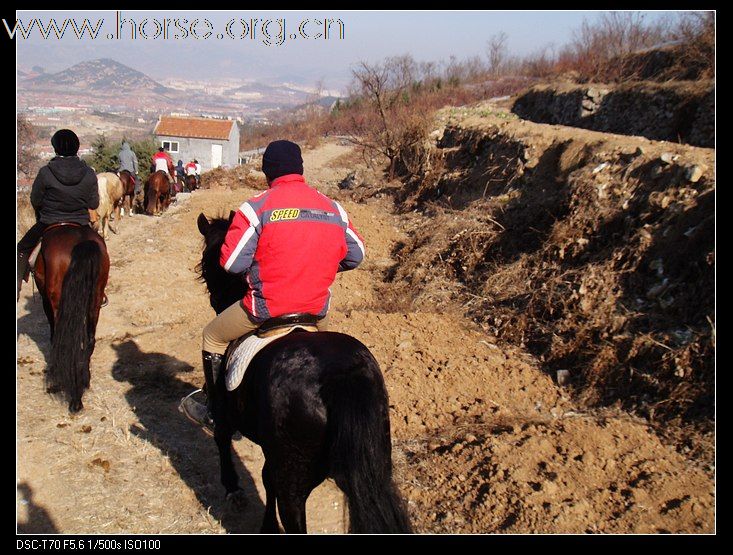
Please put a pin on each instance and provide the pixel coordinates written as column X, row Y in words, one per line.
column 368, row 35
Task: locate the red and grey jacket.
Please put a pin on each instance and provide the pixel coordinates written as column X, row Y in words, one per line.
column 291, row 241
column 168, row 160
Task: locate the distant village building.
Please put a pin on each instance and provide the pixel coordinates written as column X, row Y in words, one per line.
column 249, row 156
column 213, row 142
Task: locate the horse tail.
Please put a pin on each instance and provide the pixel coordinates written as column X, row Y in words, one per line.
column 73, row 338
column 361, row 450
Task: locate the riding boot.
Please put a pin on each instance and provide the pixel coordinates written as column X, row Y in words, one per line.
column 212, row 367
column 22, row 269
column 200, row 413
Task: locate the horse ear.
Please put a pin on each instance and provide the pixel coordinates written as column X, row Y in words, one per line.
column 232, row 213
column 203, row 224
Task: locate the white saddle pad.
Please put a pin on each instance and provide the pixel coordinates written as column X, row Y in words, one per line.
column 243, row 355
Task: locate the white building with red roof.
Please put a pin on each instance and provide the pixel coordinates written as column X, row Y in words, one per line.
column 213, row 142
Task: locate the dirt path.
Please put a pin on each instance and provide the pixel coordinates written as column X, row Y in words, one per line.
column 483, row 441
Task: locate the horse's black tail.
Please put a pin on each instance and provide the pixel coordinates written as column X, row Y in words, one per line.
column 361, row 451
column 73, row 337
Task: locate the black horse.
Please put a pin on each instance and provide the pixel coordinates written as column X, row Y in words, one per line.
column 317, row 405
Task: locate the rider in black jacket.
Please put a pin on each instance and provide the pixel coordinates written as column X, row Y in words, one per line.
column 65, row 190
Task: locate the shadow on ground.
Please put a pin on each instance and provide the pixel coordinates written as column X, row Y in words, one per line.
column 154, row 397
column 34, row 324
column 39, row 521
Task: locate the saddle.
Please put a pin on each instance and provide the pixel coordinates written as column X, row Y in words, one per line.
column 244, row 349
column 34, row 253
column 282, row 324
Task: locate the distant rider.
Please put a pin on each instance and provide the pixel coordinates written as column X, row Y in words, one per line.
column 288, row 242
column 128, row 161
column 180, row 177
column 163, row 162
column 191, row 168
column 198, row 172
column 65, row 190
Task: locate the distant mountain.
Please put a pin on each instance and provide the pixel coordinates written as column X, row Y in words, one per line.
column 110, row 85
column 102, row 75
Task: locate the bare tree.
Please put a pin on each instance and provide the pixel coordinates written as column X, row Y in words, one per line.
column 372, row 81
column 614, row 35
column 27, row 156
column 696, row 31
column 496, row 51
column 393, row 120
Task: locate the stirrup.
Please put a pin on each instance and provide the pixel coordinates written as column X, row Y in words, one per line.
column 196, row 412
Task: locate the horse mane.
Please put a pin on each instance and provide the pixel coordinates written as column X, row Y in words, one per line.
column 224, row 288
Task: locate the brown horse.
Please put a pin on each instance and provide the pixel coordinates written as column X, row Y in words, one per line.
column 128, row 186
column 71, row 273
column 157, row 193
column 191, row 183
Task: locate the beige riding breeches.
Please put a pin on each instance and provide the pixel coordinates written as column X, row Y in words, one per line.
column 231, row 324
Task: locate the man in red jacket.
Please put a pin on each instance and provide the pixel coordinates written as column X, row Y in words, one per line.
column 290, row 241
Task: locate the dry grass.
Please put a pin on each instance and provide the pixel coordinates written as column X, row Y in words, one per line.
column 241, row 177
column 25, row 215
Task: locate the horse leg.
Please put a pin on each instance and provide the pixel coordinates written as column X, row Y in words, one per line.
column 223, row 437
column 291, row 506
column 48, row 309
column 294, row 481
column 50, row 315
column 116, row 213
column 269, row 522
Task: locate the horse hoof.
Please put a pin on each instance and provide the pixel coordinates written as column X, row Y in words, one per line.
column 270, row 529
column 237, row 500
column 75, row 406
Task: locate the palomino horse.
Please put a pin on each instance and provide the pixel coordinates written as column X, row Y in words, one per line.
column 317, row 405
column 111, row 193
column 71, row 273
column 157, row 193
column 128, row 191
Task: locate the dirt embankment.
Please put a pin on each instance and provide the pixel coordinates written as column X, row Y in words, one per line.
column 483, row 440
column 678, row 111
column 595, row 252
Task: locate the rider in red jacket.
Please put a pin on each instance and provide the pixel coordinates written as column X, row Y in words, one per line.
column 308, row 239
column 163, row 161
column 290, row 242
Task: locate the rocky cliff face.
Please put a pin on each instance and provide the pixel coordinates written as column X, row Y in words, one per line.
column 682, row 111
